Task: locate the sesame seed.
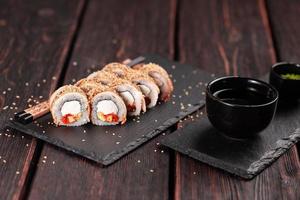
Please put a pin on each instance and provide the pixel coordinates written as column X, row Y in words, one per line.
column 117, row 142
column 53, row 162
column 162, row 151
column 17, row 172
column 4, row 161
column 155, row 150
column 18, row 97
column 8, row 89
column 138, row 161
column 173, row 67
column 75, row 63
column 84, row 131
column 44, row 161
column 38, row 85
column 26, row 84
column 4, row 92
column 73, row 80
column 45, row 157
column 40, row 97
column 157, row 143
column 194, row 172
column 5, row 107
column 155, row 120
column 151, row 170
column 44, row 80
column 83, row 140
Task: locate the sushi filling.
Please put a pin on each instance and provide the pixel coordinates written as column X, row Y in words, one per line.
column 129, row 101
column 146, row 92
column 107, row 111
column 71, row 112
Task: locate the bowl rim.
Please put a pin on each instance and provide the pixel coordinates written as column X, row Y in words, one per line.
column 279, row 64
column 208, row 92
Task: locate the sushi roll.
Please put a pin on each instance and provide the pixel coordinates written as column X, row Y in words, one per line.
column 69, row 106
column 145, row 83
column 107, row 107
column 130, row 93
column 161, row 78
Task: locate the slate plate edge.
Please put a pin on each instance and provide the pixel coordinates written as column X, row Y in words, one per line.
column 282, row 145
column 115, row 155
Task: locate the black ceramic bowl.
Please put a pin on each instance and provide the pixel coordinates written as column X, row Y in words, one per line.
column 240, row 107
column 288, row 89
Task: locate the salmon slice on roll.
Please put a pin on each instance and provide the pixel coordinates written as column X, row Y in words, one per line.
column 145, row 83
column 161, row 78
column 107, row 107
column 69, row 106
column 129, row 92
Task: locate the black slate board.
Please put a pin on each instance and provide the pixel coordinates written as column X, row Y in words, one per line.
column 105, row 145
column 245, row 158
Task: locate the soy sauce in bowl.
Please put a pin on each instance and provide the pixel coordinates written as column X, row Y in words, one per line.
column 240, row 107
column 241, row 97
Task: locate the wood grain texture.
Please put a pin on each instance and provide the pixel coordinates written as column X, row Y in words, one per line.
column 112, row 31
column 284, row 19
column 34, row 40
column 233, row 37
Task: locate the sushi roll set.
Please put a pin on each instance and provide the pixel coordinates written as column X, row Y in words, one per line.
column 108, row 96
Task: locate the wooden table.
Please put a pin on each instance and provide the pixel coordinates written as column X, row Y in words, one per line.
column 44, row 44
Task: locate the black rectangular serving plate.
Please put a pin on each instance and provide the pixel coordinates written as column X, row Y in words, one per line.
column 244, row 158
column 107, row 144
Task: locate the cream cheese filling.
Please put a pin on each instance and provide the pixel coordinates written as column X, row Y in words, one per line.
column 127, row 97
column 71, row 107
column 145, row 90
column 107, row 107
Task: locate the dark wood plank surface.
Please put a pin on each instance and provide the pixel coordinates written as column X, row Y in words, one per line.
column 230, row 37
column 284, row 20
column 112, row 31
column 233, row 37
column 34, row 41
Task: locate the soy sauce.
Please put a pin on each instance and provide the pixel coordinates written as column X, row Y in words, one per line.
column 242, row 97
